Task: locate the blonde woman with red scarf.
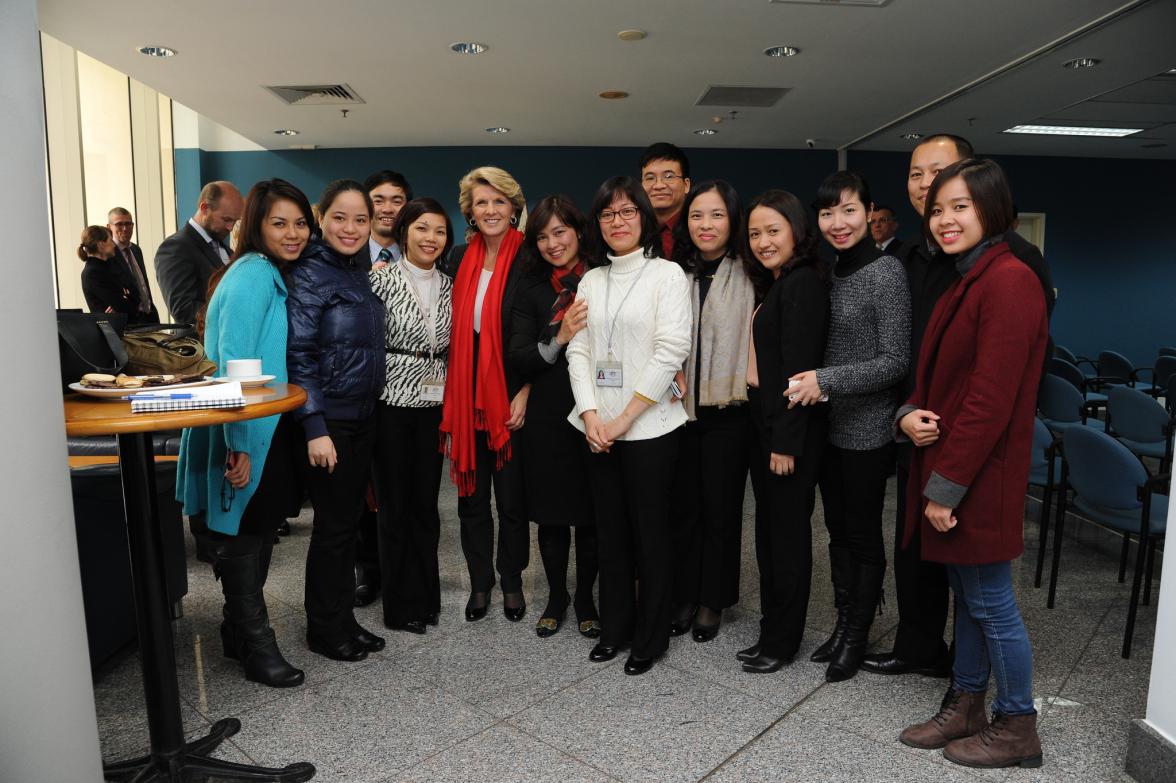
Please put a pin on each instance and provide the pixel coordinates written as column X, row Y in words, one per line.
column 484, row 402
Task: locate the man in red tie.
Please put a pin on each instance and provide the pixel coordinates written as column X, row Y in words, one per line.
column 122, row 226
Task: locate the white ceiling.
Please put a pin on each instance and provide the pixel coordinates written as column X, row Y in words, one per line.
column 861, row 70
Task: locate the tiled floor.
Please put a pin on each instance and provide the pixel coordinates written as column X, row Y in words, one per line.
column 490, row 701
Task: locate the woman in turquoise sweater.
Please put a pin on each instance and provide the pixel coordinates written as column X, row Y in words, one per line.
column 238, row 476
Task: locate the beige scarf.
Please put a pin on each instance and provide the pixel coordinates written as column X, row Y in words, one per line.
column 725, row 339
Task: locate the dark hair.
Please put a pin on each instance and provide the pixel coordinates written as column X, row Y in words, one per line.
column 663, row 150
column 962, row 145
column 989, row 189
column 388, row 177
column 261, row 198
column 887, row 207
column 650, row 240
column 685, row 253
column 804, row 235
column 92, row 236
column 408, row 215
column 342, row 186
column 555, row 206
column 829, row 192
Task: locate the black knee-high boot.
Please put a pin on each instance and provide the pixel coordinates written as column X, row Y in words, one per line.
column 867, row 588
column 841, row 567
column 246, row 633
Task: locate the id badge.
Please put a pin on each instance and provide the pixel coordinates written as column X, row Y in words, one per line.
column 432, row 390
column 608, row 374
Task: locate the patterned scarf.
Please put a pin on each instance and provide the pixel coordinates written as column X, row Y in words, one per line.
column 565, row 282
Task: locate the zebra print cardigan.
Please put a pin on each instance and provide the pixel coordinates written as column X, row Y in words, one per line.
column 406, row 342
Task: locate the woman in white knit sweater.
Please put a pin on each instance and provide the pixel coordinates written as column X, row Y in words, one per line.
column 621, row 368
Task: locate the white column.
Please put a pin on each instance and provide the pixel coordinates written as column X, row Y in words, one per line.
column 1161, row 697
column 47, row 725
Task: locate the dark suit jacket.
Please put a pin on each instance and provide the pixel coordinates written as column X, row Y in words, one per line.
column 137, row 254
column 183, row 264
column 105, row 284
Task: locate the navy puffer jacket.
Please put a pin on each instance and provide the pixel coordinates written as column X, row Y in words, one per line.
column 335, row 347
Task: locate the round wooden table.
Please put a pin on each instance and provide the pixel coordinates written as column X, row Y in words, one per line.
column 171, row 758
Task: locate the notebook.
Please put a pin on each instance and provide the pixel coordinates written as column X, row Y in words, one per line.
column 221, row 395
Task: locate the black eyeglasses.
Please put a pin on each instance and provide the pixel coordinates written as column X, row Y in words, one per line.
column 607, row 215
column 667, row 177
column 123, row 224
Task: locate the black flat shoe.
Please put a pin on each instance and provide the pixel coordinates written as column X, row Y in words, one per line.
column 548, row 626
column 368, row 640
column 682, row 619
column 283, row 528
column 636, row 666
column 889, row 663
column 590, row 629
column 751, row 652
column 514, row 613
column 412, row 626
column 704, row 633
column 603, row 652
column 765, row 664
column 346, row 650
column 474, row 610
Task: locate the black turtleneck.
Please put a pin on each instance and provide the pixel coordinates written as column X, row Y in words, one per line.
column 857, row 258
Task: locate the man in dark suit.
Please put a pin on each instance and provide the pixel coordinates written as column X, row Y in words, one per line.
column 121, row 225
column 187, row 258
column 884, row 230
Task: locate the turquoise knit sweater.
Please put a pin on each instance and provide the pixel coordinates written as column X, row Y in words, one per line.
column 246, row 320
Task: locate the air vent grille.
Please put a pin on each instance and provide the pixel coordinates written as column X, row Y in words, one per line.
column 317, row 94
column 747, row 97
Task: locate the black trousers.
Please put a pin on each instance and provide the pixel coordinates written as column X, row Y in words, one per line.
column 631, row 486
column 408, row 482
column 784, row 534
column 922, row 593
column 272, row 498
column 555, row 543
column 338, row 500
column 853, row 492
column 477, row 522
column 707, row 507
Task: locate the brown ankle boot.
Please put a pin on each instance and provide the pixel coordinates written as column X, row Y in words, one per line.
column 1011, row 740
column 961, row 715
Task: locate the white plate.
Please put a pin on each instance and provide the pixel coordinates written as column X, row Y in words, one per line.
column 248, row 382
column 117, row 394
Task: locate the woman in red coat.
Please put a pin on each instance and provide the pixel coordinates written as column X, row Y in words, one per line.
column 971, row 416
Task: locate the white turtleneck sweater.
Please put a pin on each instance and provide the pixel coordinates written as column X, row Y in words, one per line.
column 651, row 340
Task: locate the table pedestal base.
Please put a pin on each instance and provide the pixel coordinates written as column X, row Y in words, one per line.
column 191, row 762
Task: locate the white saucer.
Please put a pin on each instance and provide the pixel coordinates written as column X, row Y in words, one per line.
column 248, row 382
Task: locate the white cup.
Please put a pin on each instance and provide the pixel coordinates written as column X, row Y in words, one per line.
column 243, row 368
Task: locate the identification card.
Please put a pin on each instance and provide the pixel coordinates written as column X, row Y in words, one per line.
column 432, row 390
column 608, row 374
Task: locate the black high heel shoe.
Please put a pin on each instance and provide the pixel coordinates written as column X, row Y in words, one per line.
column 682, row 619
column 514, row 613
column 476, row 607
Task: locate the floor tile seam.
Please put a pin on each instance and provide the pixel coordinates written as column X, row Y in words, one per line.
column 401, row 770
column 732, row 689
column 1085, row 647
column 561, row 751
column 589, row 675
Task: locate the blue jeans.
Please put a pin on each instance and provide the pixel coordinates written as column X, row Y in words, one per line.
column 990, row 637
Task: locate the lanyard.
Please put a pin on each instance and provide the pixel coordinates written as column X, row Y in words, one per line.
column 608, row 294
column 429, row 315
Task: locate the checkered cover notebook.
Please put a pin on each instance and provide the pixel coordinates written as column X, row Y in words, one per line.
column 225, row 395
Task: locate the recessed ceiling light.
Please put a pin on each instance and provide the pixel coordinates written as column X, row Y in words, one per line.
column 782, row 51
column 498, row 129
column 705, row 132
column 1081, row 62
column 632, row 35
column 912, row 136
column 468, row 47
column 157, row 51
column 1071, row 130
column 286, row 132
column 614, row 95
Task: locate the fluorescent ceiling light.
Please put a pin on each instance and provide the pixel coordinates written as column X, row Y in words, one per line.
column 1071, row 130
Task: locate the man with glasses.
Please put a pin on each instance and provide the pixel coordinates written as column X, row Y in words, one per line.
column 121, row 225
column 883, row 228
column 665, row 176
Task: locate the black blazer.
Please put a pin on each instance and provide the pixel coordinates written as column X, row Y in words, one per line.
column 104, row 285
column 514, row 280
column 790, row 330
column 183, row 264
column 137, row 254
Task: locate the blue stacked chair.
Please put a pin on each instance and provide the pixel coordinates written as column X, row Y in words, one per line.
column 1062, row 352
column 1083, row 383
column 1112, row 489
column 1044, row 468
column 1141, row 424
column 1162, row 376
column 1168, row 350
column 1062, row 407
column 1116, row 369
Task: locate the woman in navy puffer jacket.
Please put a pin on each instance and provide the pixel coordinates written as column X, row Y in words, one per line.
column 336, row 353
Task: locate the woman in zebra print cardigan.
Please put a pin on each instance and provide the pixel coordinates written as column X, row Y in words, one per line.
column 419, row 313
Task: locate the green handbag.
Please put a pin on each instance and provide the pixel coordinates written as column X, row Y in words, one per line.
column 157, row 350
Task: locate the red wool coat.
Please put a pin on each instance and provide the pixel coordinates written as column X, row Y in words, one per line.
column 979, row 368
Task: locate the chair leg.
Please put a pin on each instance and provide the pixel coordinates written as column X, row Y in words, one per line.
column 1136, row 578
column 1042, row 534
column 1059, row 527
column 1147, row 577
column 1123, row 558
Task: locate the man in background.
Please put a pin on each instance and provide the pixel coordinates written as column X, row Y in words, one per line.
column 122, row 225
column 389, row 191
column 665, row 176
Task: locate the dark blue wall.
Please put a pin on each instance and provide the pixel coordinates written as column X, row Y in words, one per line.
column 1113, row 257
column 1109, row 242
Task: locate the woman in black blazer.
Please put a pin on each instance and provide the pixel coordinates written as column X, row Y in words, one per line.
column 544, row 318
column 788, row 336
column 103, row 284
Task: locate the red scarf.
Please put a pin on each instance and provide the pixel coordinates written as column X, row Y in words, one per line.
column 565, row 282
column 482, row 406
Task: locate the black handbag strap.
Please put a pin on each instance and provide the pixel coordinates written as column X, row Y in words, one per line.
column 157, row 328
column 112, row 340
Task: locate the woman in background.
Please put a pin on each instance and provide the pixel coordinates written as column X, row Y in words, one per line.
column 103, row 284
